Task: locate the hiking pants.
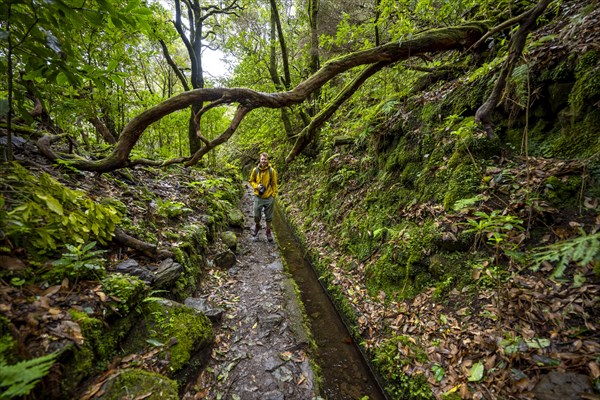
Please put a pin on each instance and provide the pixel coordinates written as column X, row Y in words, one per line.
column 267, row 204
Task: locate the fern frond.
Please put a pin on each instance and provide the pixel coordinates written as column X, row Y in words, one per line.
column 19, row 379
column 581, row 250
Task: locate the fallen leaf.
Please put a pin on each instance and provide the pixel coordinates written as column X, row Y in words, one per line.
column 51, row 290
column 590, row 203
column 594, row 369
column 476, row 372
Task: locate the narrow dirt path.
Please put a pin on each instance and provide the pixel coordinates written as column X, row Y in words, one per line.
column 261, row 343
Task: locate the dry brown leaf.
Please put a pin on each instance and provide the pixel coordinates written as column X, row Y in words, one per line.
column 464, row 392
column 54, row 311
column 51, row 291
column 490, row 362
column 301, row 380
column 72, row 329
column 590, row 203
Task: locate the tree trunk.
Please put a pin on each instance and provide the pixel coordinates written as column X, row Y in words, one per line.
column 484, row 113
column 102, row 130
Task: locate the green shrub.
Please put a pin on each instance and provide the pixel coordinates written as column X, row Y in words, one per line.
column 42, row 214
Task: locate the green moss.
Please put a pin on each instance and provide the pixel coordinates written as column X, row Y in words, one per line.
column 101, row 343
column 575, row 138
column 463, row 184
column 563, row 191
column 191, row 255
column 390, row 362
column 402, row 268
column 127, row 289
column 102, row 339
column 136, row 383
column 184, row 330
column 587, row 85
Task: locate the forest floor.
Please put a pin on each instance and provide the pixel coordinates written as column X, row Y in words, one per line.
column 514, row 333
column 261, row 345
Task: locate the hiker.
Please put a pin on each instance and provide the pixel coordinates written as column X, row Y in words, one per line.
column 263, row 180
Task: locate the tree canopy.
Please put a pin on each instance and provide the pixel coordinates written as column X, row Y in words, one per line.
column 105, row 69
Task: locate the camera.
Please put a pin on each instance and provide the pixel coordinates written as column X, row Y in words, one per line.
column 261, row 190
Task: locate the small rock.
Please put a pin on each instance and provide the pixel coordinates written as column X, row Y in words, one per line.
column 274, row 395
column 168, row 272
column 132, row 267
column 16, row 141
column 225, row 260
column 229, row 239
column 563, row 386
column 213, row 313
column 272, row 363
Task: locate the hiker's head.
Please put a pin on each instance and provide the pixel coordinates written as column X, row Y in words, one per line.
column 264, row 159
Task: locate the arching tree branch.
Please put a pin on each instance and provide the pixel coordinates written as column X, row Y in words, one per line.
column 431, row 41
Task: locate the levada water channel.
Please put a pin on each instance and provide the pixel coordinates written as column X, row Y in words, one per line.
column 345, row 372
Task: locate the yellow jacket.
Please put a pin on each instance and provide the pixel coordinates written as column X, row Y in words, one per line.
column 268, row 177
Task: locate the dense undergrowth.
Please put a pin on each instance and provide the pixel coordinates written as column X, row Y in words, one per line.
column 71, row 318
column 423, row 207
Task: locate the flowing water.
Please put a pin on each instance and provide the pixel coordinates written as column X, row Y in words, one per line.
column 345, row 373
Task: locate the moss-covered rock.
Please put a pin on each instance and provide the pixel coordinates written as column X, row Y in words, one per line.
column 229, row 239
column 181, row 331
column 136, row 383
column 235, row 217
column 101, row 342
column 125, row 291
column 191, row 255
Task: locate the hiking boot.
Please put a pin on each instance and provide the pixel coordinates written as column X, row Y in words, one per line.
column 269, row 236
column 255, row 230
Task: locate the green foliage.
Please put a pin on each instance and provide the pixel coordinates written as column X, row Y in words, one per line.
column 520, row 79
column 496, row 227
column 19, row 379
column 43, row 215
column 78, row 263
column 171, row 209
column 582, row 250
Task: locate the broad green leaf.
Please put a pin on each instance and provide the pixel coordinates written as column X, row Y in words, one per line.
column 438, row 372
column 51, row 203
column 476, row 372
column 536, row 343
column 62, row 79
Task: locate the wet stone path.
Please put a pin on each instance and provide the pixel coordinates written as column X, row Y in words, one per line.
column 261, row 345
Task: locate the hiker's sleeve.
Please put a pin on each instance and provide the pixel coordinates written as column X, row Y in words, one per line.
column 252, row 179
